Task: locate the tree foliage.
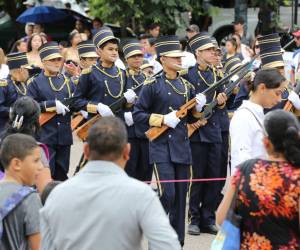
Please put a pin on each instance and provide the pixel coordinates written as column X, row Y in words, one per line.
column 140, row 13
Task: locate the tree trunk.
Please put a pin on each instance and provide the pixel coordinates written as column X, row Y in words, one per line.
column 240, row 10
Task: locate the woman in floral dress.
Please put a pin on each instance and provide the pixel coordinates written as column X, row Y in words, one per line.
column 269, row 190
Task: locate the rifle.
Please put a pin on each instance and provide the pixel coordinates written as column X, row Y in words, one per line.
column 155, row 132
column 76, row 121
column 288, row 106
column 47, row 116
column 82, row 131
column 208, row 110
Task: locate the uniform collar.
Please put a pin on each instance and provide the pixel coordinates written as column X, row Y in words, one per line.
column 202, row 68
column 134, row 72
column 103, row 167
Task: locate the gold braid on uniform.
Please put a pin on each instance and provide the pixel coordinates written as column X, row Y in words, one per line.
column 24, row 92
column 61, row 87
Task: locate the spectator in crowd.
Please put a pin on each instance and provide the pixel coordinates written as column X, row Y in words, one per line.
column 295, row 72
column 63, row 45
column 150, row 52
column 20, row 157
column 44, row 37
column 79, row 26
column 28, row 31
column 29, row 3
column 242, row 48
column 255, row 51
column 71, row 53
column 192, row 30
column 38, row 28
column 268, row 198
column 124, row 201
column 29, row 109
column 4, row 70
column 239, row 28
column 97, row 24
column 268, row 86
column 33, row 55
column 21, row 45
column 47, row 190
column 231, row 49
column 88, row 34
column 154, row 30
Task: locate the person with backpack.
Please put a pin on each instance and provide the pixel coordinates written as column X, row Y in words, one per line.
column 19, row 203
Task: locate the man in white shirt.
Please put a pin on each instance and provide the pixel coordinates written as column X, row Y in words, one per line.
column 101, row 207
column 246, row 126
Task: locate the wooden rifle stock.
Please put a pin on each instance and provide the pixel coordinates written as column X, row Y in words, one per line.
column 76, row 121
column 82, row 131
column 288, row 106
column 209, row 108
column 45, row 117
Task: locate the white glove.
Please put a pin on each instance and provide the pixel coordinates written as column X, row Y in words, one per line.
column 201, row 101
column 130, row 96
column 171, row 120
column 104, row 110
column 61, row 109
column 128, row 118
column 84, row 114
column 294, row 99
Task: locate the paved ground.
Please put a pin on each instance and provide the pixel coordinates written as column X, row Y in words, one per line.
column 201, row 242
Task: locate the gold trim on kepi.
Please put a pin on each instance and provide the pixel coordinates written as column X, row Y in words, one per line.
column 134, row 53
column 146, row 65
column 89, row 54
column 201, row 41
column 173, row 54
column 168, row 46
column 52, row 56
column 104, row 34
column 273, row 65
column 17, row 60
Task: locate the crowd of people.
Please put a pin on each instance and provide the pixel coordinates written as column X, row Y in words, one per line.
column 137, row 98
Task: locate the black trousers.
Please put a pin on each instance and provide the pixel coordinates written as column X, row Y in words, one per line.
column 203, row 195
column 59, row 161
column 173, row 195
column 138, row 165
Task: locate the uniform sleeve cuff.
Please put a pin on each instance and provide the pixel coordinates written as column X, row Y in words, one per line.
column 91, row 108
column 156, row 120
column 50, row 106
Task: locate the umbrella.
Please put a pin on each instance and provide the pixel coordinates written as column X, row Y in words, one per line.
column 41, row 14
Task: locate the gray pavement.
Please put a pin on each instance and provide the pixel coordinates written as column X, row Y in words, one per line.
column 201, row 242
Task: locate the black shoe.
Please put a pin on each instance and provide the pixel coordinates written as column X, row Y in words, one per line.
column 210, row 229
column 193, row 230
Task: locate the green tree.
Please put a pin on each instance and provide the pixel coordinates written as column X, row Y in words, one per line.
column 138, row 14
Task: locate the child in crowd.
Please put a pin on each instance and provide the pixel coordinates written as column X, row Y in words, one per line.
column 19, row 203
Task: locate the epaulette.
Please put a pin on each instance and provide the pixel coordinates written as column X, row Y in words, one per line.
column 149, row 80
column 187, row 83
column 220, row 73
column 183, row 72
column 86, row 70
column 3, row 82
column 31, row 79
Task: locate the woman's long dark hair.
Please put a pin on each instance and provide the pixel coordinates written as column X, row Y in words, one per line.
column 283, row 131
column 29, row 109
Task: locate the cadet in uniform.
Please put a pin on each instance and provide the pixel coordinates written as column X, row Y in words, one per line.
column 103, row 83
column 147, row 68
column 14, row 86
column 87, row 54
column 50, row 89
column 170, row 154
column 138, row 164
column 206, row 143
